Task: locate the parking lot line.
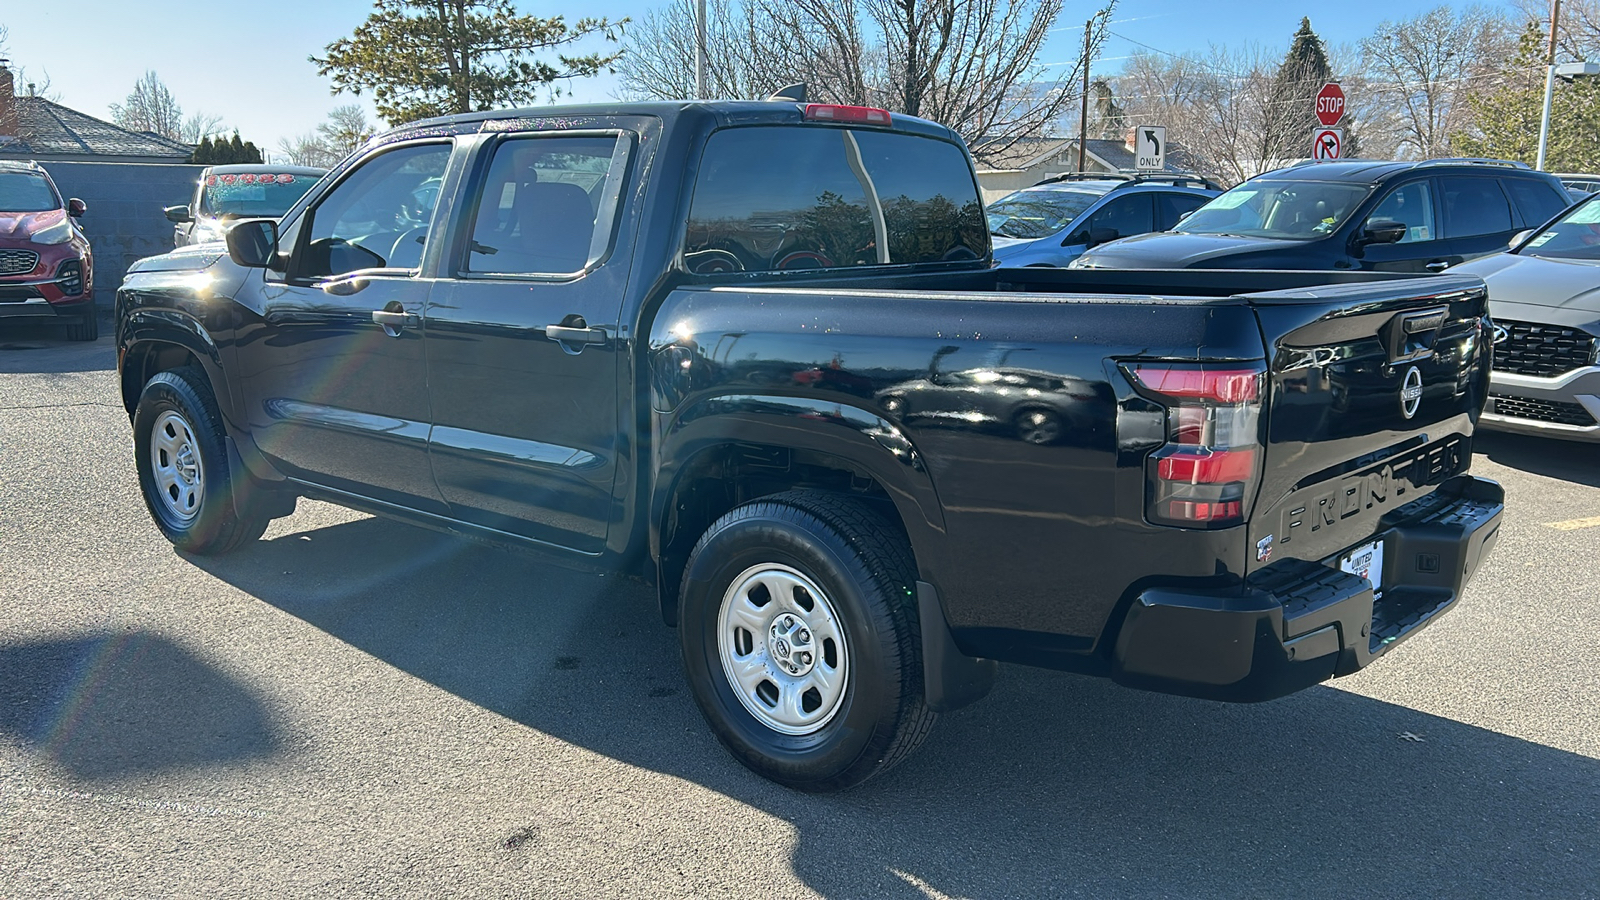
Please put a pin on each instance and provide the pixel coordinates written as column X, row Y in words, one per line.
column 1574, row 524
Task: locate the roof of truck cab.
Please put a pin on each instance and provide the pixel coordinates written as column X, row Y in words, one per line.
column 727, row 112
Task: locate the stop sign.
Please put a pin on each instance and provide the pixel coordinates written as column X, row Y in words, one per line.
column 1330, row 104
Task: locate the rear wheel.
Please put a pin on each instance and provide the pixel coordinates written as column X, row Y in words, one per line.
column 192, row 493
column 800, row 636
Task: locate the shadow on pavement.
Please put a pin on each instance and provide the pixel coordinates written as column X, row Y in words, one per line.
column 1573, row 461
column 128, row 703
column 1054, row 786
column 44, row 349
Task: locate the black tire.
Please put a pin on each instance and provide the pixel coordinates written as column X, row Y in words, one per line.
column 86, row 329
column 213, row 524
column 864, row 567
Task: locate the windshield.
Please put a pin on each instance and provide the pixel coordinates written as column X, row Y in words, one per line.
column 1035, row 214
column 1576, row 235
column 1292, row 210
column 251, row 195
column 26, row 192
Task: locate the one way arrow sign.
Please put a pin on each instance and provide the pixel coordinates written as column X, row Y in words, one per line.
column 1150, row 147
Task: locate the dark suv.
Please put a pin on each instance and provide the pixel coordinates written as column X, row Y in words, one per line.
column 1359, row 214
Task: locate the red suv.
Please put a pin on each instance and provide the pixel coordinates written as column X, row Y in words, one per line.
column 46, row 270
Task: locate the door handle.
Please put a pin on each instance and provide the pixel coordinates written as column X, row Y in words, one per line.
column 567, row 334
column 344, row 287
column 395, row 318
column 1438, row 265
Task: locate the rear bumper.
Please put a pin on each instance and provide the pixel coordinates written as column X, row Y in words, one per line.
column 1297, row 623
column 1565, row 406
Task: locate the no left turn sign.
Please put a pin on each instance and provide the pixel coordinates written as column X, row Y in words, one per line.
column 1327, row 144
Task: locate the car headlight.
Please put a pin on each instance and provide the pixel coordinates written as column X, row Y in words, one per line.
column 206, row 231
column 59, row 233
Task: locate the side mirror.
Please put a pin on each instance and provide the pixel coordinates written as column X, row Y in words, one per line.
column 75, row 208
column 1519, row 237
column 179, row 214
column 1383, row 231
column 252, row 243
column 1098, row 236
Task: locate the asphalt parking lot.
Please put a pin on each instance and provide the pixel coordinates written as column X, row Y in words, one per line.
column 354, row 707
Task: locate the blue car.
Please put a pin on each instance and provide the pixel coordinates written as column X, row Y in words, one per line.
column 1053, row 222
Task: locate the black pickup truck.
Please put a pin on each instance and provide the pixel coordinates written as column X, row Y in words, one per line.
column 756, row 353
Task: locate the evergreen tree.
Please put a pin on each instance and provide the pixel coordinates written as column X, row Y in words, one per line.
column 1292, row 111
column 204, row 153
column 1510, row 112
column 236, row 148
column 251, row 154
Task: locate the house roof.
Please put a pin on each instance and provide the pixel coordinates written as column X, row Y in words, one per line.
column 49, row 130
column 1025, row 153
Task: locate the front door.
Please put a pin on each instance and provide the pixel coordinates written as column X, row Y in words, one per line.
column 335, row 395
column 523, row 343
column 1412, row 205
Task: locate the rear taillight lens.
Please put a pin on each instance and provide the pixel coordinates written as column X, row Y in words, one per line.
column 1206, row 473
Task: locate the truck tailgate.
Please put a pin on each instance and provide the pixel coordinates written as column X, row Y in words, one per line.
column 1373, row 392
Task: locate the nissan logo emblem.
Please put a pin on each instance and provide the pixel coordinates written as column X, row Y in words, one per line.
column 1411, row 392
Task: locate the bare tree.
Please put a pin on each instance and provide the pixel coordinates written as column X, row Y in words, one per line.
column 344, row 131
column 1577, row 39
column 1424, row 68
column 200, row 125
column 150, row 107
column 969, row 64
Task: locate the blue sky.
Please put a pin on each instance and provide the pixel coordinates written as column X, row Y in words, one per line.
column 246, row 61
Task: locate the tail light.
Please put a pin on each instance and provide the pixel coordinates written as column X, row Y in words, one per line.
column 1206, row 473
column 859, row 115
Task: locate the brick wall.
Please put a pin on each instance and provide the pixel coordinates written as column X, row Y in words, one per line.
column 124, row 221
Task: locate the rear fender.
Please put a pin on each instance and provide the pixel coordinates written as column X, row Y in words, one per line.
column 847, row 432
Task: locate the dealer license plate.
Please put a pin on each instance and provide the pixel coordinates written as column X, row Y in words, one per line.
column 1367, row 562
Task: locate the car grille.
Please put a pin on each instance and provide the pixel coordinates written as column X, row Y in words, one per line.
column 1540, row 410
column 1543, row 350
column 18, row 262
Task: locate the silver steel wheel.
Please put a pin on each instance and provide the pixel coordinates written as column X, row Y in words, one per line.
column 783, row 649
column 175, row 464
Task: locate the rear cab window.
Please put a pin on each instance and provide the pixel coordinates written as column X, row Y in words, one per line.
column 784, row 197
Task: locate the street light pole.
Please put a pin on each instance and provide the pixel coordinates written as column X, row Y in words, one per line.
column 1549, row 85
column 700, row 50
column 1083, row 115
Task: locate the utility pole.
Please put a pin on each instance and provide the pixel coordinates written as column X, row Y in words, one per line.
column 700, row 50
column 1083, row 115
column 1549, row 84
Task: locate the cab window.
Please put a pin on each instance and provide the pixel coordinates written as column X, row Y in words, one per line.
column 1473, row 206
column 816, row 197
column 378, row 217
column 1412, row 206
column 538, row 205
column 1127, row 215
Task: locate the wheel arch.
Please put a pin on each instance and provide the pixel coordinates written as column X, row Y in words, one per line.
column 720, row 452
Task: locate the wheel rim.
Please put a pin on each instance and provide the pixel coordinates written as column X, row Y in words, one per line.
column 1039, row 427
column 175, row 464
column 783, row 650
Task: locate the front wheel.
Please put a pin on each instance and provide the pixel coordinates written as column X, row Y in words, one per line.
column 184, row 470
column 800, row 636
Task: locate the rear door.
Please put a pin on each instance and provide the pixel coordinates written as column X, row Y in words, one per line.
column 524, row 341
column 1373, row 394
